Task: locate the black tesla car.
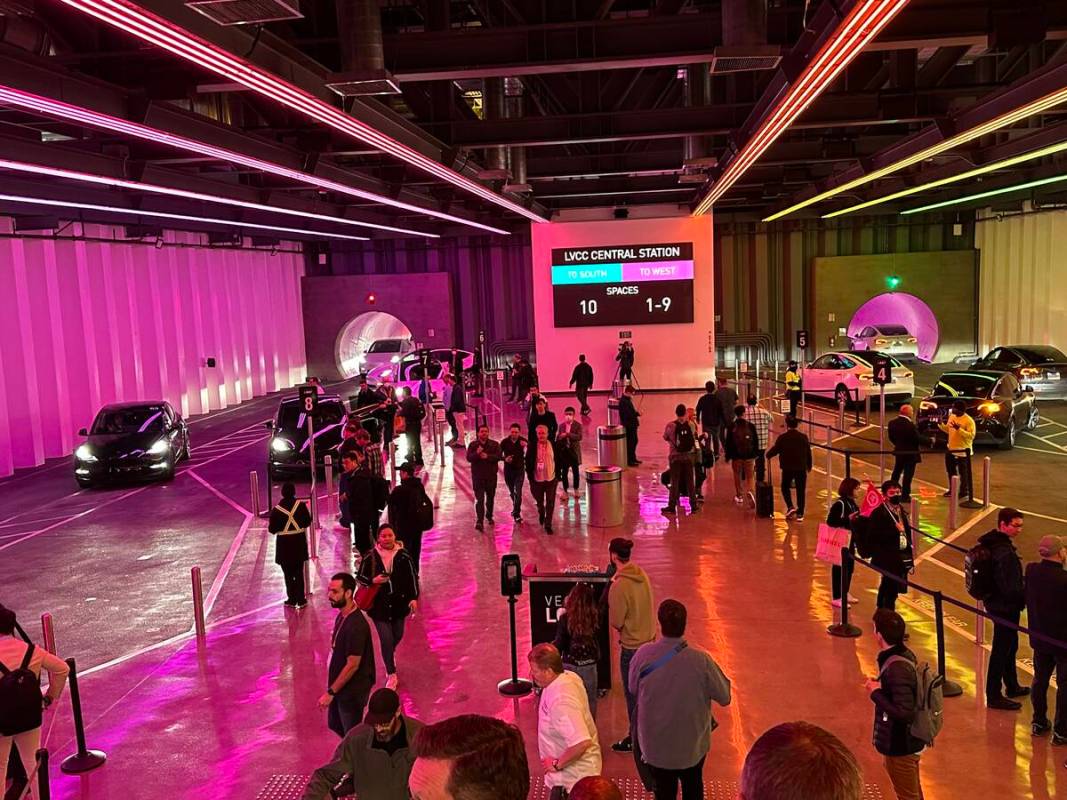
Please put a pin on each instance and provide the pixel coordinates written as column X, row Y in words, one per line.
column 289, row 451
column 1000, row 405
column 1037, row 365
column 131, row 440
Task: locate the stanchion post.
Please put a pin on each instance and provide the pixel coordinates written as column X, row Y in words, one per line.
column 867, row 408
column 314, row 474
column 85, row 759
column 848, row 464
column 392, row 462
column 270, row 490
column 48, row 633
column 313, row 542
column 514, row 686
column 950, row 688
column 840, row 414
column 881, row 434
column 953, row 502
column 856, row 408
column 915, row 512
column 979, row 625
column 829, row 467
column 330, row 513
column 844, row 628
column 44, row 786
column 987, row 464
column 253, row 482
column 198, row 603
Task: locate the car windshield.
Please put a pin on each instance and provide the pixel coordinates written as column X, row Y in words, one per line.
column 291, row 417
column 1041, row 355
column 140, row 419
column 964, row 386
column 385, row 346
column 892, row 330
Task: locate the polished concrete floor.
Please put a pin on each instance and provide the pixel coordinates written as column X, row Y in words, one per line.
column 227, row 716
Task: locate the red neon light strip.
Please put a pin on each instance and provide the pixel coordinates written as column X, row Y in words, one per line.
column 130, row 18
column 864, row 22
column 67, row 112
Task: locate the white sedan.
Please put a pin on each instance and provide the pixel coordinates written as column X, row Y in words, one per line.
column 847, row 376
column 892, row 339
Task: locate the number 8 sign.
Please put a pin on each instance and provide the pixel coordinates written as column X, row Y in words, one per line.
column 309, row 399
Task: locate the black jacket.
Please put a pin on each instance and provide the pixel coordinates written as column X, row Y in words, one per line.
column 290, row 547
column 905, row 436
column 547, row 419
column 709, row 410
column 882, row 538
column 367, row 495
column 794, row 450
column 628, row 415
column 412, row 410
column 517, row 451
column 369, row 397
column 404, row 506
column 895, row 705
column 1046, row 604
column 625, row 357
column 1009, row 597
column 841, row 511
column 484, row 469
column 582, row 376
column 391, row 602
column 731, row 446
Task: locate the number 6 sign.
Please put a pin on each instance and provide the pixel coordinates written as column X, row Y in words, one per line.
column 309, row 399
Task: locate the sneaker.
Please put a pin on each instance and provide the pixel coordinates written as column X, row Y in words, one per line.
column 290, row 603
column 391, row 682
column 548, row 529
column 623, row 746
column 1018, row 691
column 800, row 517
column 1040, row 728
column 517, row 517
column 1003, row 704
column 1058, row 740
column 752, row 499
column 489, row 519
column 853, row 599
column 836, row 602
column 947, row 494
column 694, row 509
column 790, row 513
column 478, row 526
column 301, row 604
column 738, row 500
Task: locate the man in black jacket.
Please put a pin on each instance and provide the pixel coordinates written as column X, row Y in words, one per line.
column 886, row 537
column 894, row 694
column 629, row 418
column 413, row 412
column 1046, row 613
column 582, row 381
column 366, row 498
column 711, row 415
column 906, row 444
column 1006, row 602
column 795, row 462
column 404, row 503
column 484, row 455
column 513, row 453
column 625, row 357
column 540, row 415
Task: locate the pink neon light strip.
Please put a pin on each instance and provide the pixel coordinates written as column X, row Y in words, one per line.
column 636, row 272
column 866, row 20
column 134, row 20
column 120, row 183
column 66, row 112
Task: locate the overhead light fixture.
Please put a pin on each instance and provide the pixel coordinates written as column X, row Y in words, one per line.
column 71, row 113
column 148, row 27
column 167, row 191
column 970, row 198
column 863, row 23
column 67, row 204
column 971, row 173
column 1002, row 121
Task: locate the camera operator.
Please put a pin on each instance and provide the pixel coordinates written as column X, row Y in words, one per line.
column 625, row 357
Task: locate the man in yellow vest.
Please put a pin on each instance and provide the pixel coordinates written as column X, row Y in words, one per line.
column 792, row 387
column 961, row 431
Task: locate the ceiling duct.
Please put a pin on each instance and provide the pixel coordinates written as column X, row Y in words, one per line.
column 515, row 105
column 494, row 108
column 359, row 25
column 744, row 36
column 246, row 12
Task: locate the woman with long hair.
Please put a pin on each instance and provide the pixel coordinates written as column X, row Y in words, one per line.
column 842, row 512
column 576, row 638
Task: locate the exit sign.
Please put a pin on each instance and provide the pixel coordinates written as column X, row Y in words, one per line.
column 625, row 334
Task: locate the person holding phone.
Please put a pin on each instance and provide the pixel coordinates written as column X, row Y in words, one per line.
column 961, row 431
column 390, row 568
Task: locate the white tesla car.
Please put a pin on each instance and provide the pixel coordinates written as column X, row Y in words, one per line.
column 892, row 339
column 848, row 375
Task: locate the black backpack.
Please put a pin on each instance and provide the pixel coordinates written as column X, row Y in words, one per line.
column 424, row 511
column 20, row 698
column 744, row 436
column 978, row 572
column 684, row 441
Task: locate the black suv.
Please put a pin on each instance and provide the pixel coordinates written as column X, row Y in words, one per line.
column 289, row 452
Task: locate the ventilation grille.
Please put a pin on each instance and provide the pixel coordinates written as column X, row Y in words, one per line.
column 246, row 12
column 745, row 58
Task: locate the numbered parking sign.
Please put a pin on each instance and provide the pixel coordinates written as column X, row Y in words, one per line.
column 802, row 340
column 883, row 371
column 309, row 399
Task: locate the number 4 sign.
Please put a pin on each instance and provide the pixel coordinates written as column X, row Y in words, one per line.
column 309, row 399
column 883, row 371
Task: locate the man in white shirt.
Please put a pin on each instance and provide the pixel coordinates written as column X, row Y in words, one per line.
column 566, row 734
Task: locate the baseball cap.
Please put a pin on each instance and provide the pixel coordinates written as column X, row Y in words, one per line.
column 382, row 707
column 1049, row 546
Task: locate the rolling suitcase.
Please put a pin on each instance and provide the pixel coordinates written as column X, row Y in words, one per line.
column 764, row 499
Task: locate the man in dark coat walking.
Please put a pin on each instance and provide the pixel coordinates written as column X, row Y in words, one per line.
column 1046, row 614
column 405, row 502
column 906, row 445
column 582, row 381
column 1007, row 602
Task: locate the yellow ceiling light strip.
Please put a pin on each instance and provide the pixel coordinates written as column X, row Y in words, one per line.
column 1009, row 118
column 971, row 173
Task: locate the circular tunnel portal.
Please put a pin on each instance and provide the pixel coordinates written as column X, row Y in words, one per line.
column 900, row 308
column 358, row 334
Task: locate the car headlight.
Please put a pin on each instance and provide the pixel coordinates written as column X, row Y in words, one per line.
column 159, row 448
column 989, row 408
column 394, row 360
column 926, row 405
column 280, row 445
column 84, row 453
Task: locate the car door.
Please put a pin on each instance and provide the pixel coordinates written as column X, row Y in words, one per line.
column 818, row 375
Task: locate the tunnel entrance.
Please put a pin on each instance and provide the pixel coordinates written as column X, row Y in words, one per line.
column 900, row 308
column 356, row 337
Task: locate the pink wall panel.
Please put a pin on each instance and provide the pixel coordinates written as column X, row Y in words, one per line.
column 94, row 322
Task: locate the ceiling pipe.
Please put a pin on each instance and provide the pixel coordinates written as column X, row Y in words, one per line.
column 515, row 106
column 363, row 72
column 495, row 109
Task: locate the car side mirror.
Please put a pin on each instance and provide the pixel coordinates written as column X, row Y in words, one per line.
column 83, row 432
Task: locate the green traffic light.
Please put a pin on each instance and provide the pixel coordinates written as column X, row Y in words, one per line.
column 893, row 281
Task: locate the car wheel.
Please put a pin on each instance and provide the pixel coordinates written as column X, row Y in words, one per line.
column 842, row 395
column 1034, row 419
column 85, row 484
column 1008, row 442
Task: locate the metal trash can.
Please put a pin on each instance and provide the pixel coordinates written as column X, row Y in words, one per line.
column 611, row 445
column 603, row 491
column 613, row 411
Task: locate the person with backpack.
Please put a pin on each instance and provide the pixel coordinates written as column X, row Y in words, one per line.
column 1046, row 615
column 796, row 462
column 390, row 568
column 21, row 703
column 412, row 412
column 996, row 574
column 410, row 511
column 289, row 522
column 681, row 438
column 742, row 444
column 896, row 694
column 712, row 416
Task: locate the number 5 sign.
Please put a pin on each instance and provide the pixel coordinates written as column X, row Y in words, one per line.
column 309, row 399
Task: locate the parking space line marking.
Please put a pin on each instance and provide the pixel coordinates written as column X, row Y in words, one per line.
column 956, row 534
column 1046, row 441
column 71, row 518
column 1039, row 450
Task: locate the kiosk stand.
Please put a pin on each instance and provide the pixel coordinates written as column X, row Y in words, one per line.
column 511, row 588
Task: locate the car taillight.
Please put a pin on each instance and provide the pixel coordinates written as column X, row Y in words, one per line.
column 912, row 340
column 866, row 376
column 989, row 408
column 881, row 341
column 1029, row 372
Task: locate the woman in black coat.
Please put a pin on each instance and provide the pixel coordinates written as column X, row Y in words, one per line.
column 389, row 567
column 842, row 511
column 887, row 540
column 289, row 521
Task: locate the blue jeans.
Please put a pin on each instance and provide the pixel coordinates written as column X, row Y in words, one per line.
column 346, row 712
column 625, row 657
column 588, row 674
column 390, row 632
